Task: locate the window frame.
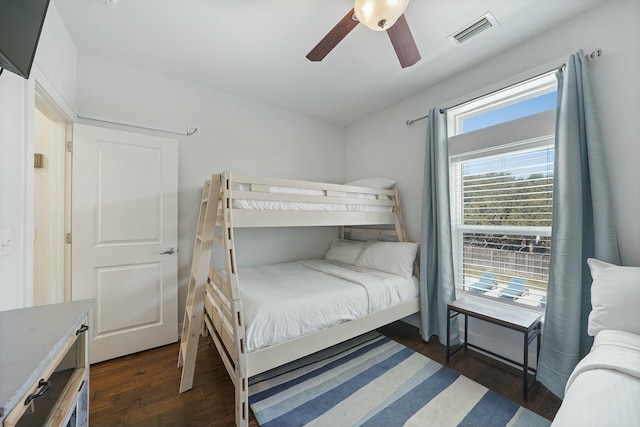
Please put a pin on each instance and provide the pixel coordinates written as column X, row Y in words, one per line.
column 531, row 132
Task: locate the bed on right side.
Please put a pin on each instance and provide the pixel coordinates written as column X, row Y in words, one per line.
column 604, row 388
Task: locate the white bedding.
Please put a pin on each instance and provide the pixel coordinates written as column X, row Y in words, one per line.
column 285, row 301
column 604, row 388
column 306, row 206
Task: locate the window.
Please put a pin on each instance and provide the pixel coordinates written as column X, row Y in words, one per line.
column 521, row 100
column 502, row 202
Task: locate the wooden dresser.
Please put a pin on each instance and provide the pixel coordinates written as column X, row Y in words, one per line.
column 44, row 369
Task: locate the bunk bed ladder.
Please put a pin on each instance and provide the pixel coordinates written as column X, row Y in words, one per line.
column 194, row 310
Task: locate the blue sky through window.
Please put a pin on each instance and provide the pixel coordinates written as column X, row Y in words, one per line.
column 511, row 112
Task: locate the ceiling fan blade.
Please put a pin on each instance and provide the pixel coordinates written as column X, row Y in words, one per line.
column 403, row 43
column 333, row 37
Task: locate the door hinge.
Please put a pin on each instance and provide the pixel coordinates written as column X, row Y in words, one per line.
column 67, row 238
column 69, row 146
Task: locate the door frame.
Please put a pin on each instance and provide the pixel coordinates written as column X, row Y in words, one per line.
column 43, row 95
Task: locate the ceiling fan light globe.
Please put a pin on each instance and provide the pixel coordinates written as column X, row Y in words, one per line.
column 374, row 12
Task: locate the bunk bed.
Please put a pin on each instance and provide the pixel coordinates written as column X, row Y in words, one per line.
column 245, row 333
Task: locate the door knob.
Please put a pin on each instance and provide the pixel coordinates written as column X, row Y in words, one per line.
column 169, row 251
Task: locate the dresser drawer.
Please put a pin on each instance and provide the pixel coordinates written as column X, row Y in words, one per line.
column 54, row 399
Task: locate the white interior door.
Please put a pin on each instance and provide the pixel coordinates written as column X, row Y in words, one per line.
column 124, row 238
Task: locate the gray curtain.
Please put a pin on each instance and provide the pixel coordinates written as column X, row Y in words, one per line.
column 583, row 225
column 437, row 285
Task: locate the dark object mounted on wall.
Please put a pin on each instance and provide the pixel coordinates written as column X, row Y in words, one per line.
column 20, row 26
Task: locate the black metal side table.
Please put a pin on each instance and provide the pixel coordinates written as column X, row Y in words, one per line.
column 509, row 316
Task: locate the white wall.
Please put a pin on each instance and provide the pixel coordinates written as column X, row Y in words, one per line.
column 236, row 134
column 12, row 188
column 55, row 70
column 393, row 149
column 56, row 59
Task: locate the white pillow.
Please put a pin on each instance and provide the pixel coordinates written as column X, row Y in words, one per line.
column 615, row 297
column 392, row 257
column 346, row 251
column 373, row 183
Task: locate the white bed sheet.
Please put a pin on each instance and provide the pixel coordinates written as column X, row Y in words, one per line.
column 305, row 206
column 604, row 389
column 288, row 300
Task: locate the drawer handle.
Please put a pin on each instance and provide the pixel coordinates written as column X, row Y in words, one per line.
column 83, row 328
column 44, row 387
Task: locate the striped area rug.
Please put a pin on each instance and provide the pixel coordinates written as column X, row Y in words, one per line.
column 374, row 381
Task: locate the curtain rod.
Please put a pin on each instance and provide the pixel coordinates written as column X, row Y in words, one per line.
column 191, row 130
column 593, row 55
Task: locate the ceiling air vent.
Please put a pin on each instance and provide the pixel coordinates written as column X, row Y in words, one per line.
column 476, row 27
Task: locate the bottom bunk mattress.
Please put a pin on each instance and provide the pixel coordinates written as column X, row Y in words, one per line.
column 288, row 300
column 604, row 389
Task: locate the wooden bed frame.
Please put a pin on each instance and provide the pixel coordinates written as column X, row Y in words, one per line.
column 224, row 317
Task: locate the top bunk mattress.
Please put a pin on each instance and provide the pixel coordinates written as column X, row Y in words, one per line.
column 367, row 202
column 288, row 300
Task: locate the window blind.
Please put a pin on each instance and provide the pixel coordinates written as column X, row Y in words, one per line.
column 503, row 223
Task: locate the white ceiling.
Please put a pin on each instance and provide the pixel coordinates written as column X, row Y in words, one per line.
column 257, row 48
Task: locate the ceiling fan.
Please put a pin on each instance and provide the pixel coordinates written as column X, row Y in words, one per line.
column 378, row 15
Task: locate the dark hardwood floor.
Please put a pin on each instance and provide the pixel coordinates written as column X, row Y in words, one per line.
column 142, row 389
